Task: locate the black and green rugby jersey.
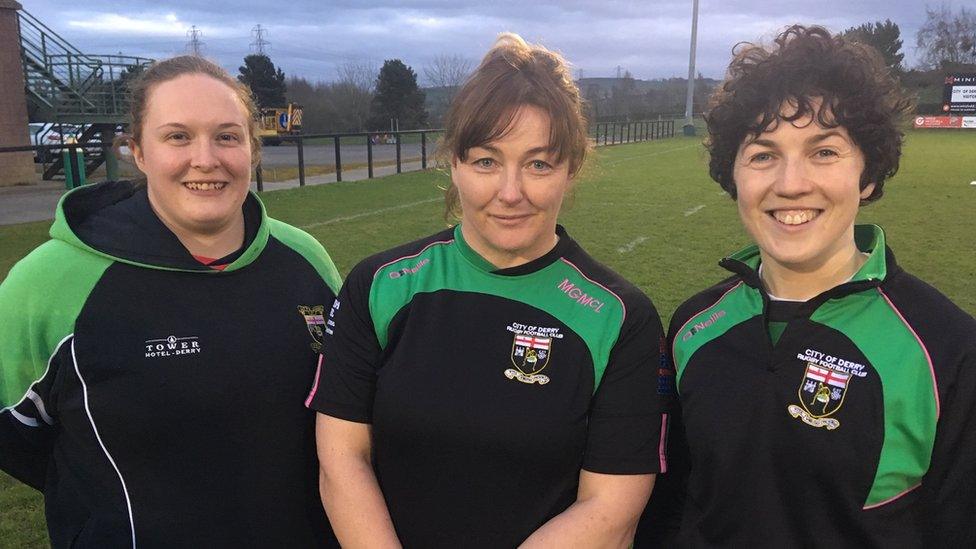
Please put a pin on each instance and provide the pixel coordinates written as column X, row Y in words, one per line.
column 856, row 429
column 488, row 390
column 158, row 402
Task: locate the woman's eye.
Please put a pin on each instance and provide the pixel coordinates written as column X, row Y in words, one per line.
column 761, row 157
column 177, row 137
column 484, row 163
column 228, row 137
column 826, row 153
column 539, row 165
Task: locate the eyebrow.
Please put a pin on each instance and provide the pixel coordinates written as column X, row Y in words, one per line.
column 530, row 152
column 811, row 141
column 826, row 135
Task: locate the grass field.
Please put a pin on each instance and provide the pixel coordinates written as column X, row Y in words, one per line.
column 647, row 210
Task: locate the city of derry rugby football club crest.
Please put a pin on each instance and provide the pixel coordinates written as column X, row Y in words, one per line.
column 821, row 395
column 530, row 355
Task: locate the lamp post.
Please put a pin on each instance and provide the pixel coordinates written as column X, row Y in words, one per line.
column 689, row 127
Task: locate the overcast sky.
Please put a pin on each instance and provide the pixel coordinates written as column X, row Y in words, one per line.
column 311, row 38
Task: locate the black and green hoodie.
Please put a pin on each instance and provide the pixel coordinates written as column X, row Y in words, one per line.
column 856, row 428
column 488, row 390
column 158, row 402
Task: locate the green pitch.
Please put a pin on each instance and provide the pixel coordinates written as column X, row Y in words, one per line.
column 647, row 210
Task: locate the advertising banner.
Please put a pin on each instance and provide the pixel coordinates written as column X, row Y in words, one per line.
column 959, row 94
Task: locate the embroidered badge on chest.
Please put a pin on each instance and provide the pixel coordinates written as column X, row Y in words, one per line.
column 531, row 352
column 823, row 387
column 315, row 321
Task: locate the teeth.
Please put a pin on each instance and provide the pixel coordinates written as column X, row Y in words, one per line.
column 204, row 185
column 795, row 217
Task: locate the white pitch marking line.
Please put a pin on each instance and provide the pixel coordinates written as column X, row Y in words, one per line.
column 367, row 214
column 629, row 247
column 615, row 162
column 694, row 210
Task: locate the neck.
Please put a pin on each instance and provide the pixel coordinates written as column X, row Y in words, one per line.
column 216, row 245
column 506, row 260
column 786, row 282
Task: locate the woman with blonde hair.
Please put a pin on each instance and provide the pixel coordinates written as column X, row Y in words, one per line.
column 154, row 354
column 493, row 385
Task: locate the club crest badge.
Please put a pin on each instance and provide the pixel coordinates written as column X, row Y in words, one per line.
column 315, row 321
column 530, row 355
column 821, row 393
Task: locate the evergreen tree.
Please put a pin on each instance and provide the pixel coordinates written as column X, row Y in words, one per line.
column 885, row 37
column 397, row 96
column 266, row 81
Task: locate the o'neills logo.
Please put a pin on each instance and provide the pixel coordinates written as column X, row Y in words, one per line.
column 579, row 295
column 410, row 270
column 699, row 326
column 172, row 346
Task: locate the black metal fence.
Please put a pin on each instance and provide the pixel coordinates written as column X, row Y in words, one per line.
column 77, row 166
column 612, row 133
column 369, row 139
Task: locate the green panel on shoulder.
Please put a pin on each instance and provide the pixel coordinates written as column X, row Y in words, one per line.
column 910, row 409
column 309, row 248
column 738, row 304
column 39, row 302
column 587, row 308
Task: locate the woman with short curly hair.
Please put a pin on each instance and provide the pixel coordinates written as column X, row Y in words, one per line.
column 827, row 397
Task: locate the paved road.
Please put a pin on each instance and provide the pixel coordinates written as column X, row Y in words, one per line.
column 21, row 204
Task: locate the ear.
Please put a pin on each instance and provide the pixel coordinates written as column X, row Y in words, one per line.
column 137, row 155
column 867, row 190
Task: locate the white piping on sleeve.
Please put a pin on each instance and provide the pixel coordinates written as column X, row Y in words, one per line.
column 36, row 398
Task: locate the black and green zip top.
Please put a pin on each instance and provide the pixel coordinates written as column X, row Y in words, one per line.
column 854, row 425
column 155, row 400
column 488, row 389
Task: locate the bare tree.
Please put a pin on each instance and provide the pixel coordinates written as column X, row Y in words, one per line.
column 947, row 37
column 447, row 71
column 361, row 74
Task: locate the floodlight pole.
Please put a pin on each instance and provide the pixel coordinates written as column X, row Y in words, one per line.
column 689, row 127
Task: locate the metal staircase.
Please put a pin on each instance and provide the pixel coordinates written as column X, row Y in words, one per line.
column 66, row 86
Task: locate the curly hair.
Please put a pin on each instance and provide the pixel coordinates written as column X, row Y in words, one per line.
column 830, row 79
column 512, row 74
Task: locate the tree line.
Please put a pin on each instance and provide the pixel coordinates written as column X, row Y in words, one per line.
column 366, row 97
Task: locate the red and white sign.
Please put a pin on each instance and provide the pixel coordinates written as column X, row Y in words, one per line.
column 945, row 121
column 533, row 342
column 830, row 377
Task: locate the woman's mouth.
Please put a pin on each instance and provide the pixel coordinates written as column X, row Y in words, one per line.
column 204, row 185
column 795, row 217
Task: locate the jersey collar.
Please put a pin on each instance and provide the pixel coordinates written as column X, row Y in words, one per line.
column 562, row 246
column 869, row 239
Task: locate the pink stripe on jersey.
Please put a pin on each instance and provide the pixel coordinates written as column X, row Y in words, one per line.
column 388, row 263
column 661, row 448
column 928, row 358
column 315, row 383
column 891, row 499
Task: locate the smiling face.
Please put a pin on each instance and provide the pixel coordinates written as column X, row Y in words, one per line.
column 195, row 152
column 510, row 192
column 798, row 195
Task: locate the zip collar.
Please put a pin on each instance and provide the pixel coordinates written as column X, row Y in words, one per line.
column 869, row 239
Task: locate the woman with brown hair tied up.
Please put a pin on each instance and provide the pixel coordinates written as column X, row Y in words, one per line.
column 492, row 385
column 827, row 397
column 155, row 353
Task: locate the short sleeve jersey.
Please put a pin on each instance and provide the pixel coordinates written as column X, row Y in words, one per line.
column 488, row 390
